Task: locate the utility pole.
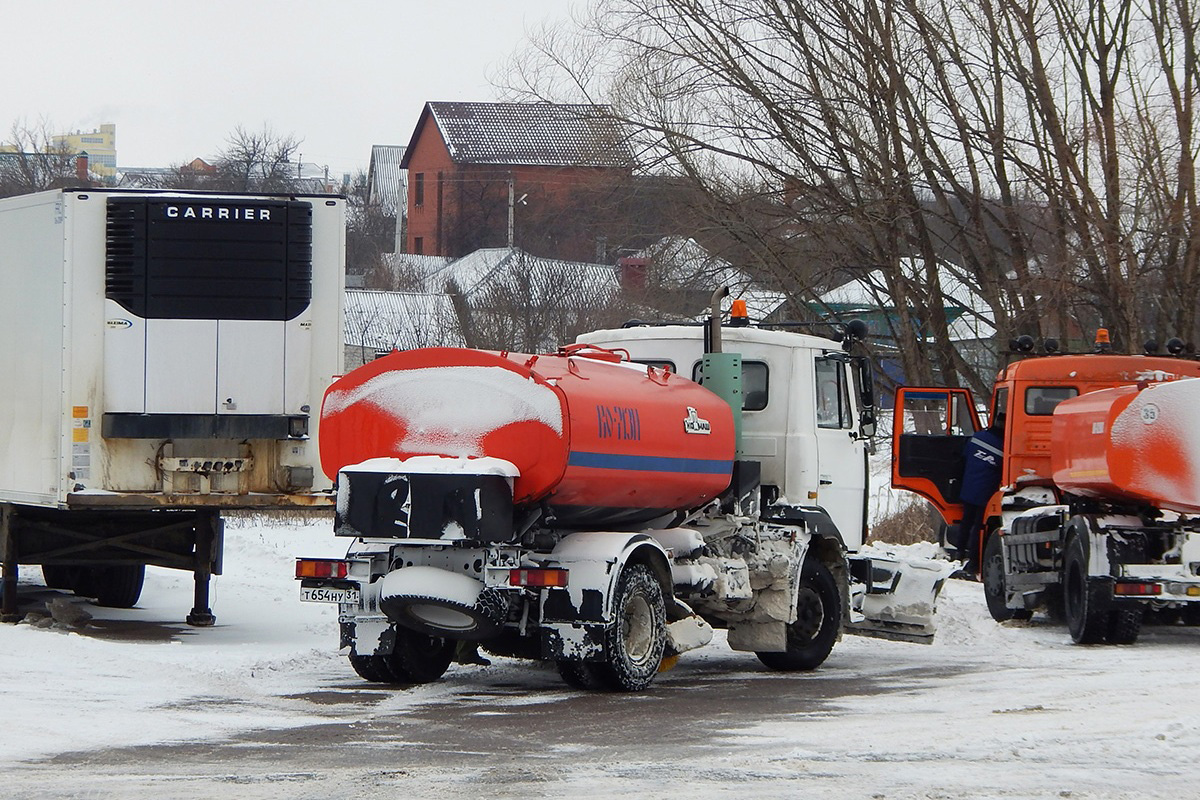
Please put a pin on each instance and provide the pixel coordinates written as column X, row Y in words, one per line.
column 512, row 204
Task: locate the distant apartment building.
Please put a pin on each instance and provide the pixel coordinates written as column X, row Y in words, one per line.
column 100, row 146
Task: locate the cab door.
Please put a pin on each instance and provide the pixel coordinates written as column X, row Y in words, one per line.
column 929, row 431
column 841, row 451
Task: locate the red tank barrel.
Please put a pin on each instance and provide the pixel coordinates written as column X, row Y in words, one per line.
column 600, row 442
column 1131, row 445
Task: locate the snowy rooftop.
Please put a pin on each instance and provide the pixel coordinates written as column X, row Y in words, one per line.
column 386, row 178
column 541, row 134
column 400, row 320
column 497, row 266
column 870, row 293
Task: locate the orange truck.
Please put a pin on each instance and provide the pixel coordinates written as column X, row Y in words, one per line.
column 1095, row 519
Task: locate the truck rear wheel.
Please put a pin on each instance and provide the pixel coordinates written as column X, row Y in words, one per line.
column 584, row 675
column 818, row 617
column 995, row 586
column 1124, row 625
column 636, row 640
column 417, row 658
column 1083, row 600
column 370, row 668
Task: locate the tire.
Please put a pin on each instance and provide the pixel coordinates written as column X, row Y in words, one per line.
column 1124, row 625
column 995, row 590
column 1056, row 610
column 1083, row 600
column 119, row 586
column 635, row 642
column 417, row 658
column 58, row 576
column 371, row 668
column 818, row 619
column 584, row 675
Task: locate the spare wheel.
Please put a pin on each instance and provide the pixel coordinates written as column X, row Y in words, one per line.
column 438, row 602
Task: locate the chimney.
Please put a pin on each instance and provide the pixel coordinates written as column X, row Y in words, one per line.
column 631, row 273
column 81, row 169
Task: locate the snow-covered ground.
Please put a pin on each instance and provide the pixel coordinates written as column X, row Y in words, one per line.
column 1007, row 711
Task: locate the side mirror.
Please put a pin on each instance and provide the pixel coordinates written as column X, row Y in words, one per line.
column 866, row 396
column 866, row 423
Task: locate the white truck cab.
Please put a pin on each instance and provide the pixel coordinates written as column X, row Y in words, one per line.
column 805, row 418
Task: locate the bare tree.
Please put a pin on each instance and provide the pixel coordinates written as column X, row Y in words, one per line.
column 251, row 161
column 31, row 162
column 1045, row 149
column 532, row 304
column 370, row 234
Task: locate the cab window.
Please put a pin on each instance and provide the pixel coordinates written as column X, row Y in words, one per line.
column 1040, row 401
column 755, row 383
column 937, row 413
column 833, row 402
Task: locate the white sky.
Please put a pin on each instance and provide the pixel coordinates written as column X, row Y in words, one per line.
column 177, row 77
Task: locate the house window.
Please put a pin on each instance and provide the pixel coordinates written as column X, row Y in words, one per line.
column 419, row 191
column 419, row 245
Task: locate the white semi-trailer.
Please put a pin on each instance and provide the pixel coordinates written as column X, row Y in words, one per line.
column 162, row 357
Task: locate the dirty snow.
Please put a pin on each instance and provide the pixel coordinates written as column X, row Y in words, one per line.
column 987, row 711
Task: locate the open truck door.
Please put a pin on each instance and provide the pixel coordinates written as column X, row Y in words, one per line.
column 929, row 431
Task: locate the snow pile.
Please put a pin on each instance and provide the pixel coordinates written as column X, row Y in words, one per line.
column 140, row 676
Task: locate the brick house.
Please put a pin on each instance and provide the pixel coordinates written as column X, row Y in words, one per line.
column 547, row 178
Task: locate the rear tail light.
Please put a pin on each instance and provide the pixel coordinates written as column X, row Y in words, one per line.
column 1137, row 589
column 537, row 577
column 321, row 568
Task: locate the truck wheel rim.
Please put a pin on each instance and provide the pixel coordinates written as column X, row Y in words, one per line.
column 636, row 629
column 810, row 615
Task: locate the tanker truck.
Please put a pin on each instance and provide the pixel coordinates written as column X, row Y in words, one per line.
column 1095, row 518
column 597, row 508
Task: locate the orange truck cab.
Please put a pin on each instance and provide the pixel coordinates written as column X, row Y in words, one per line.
column 932, row 426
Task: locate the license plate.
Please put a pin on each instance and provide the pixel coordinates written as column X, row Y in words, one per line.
column 323, row 594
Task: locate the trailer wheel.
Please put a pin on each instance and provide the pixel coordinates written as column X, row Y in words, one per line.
column 995, row 587
column 59, row 576
column 818, row 616
column 119, row 586
column 636, row 640
column 417, row 658
column 1083, row 600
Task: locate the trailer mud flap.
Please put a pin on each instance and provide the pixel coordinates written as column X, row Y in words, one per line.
column 893, row 593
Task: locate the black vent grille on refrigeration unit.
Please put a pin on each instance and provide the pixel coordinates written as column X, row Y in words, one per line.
column 192, row 258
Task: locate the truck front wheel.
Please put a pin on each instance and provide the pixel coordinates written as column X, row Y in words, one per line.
column 995, row 586
column 636, row 641
column 818, row 616
column 1083, row 600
